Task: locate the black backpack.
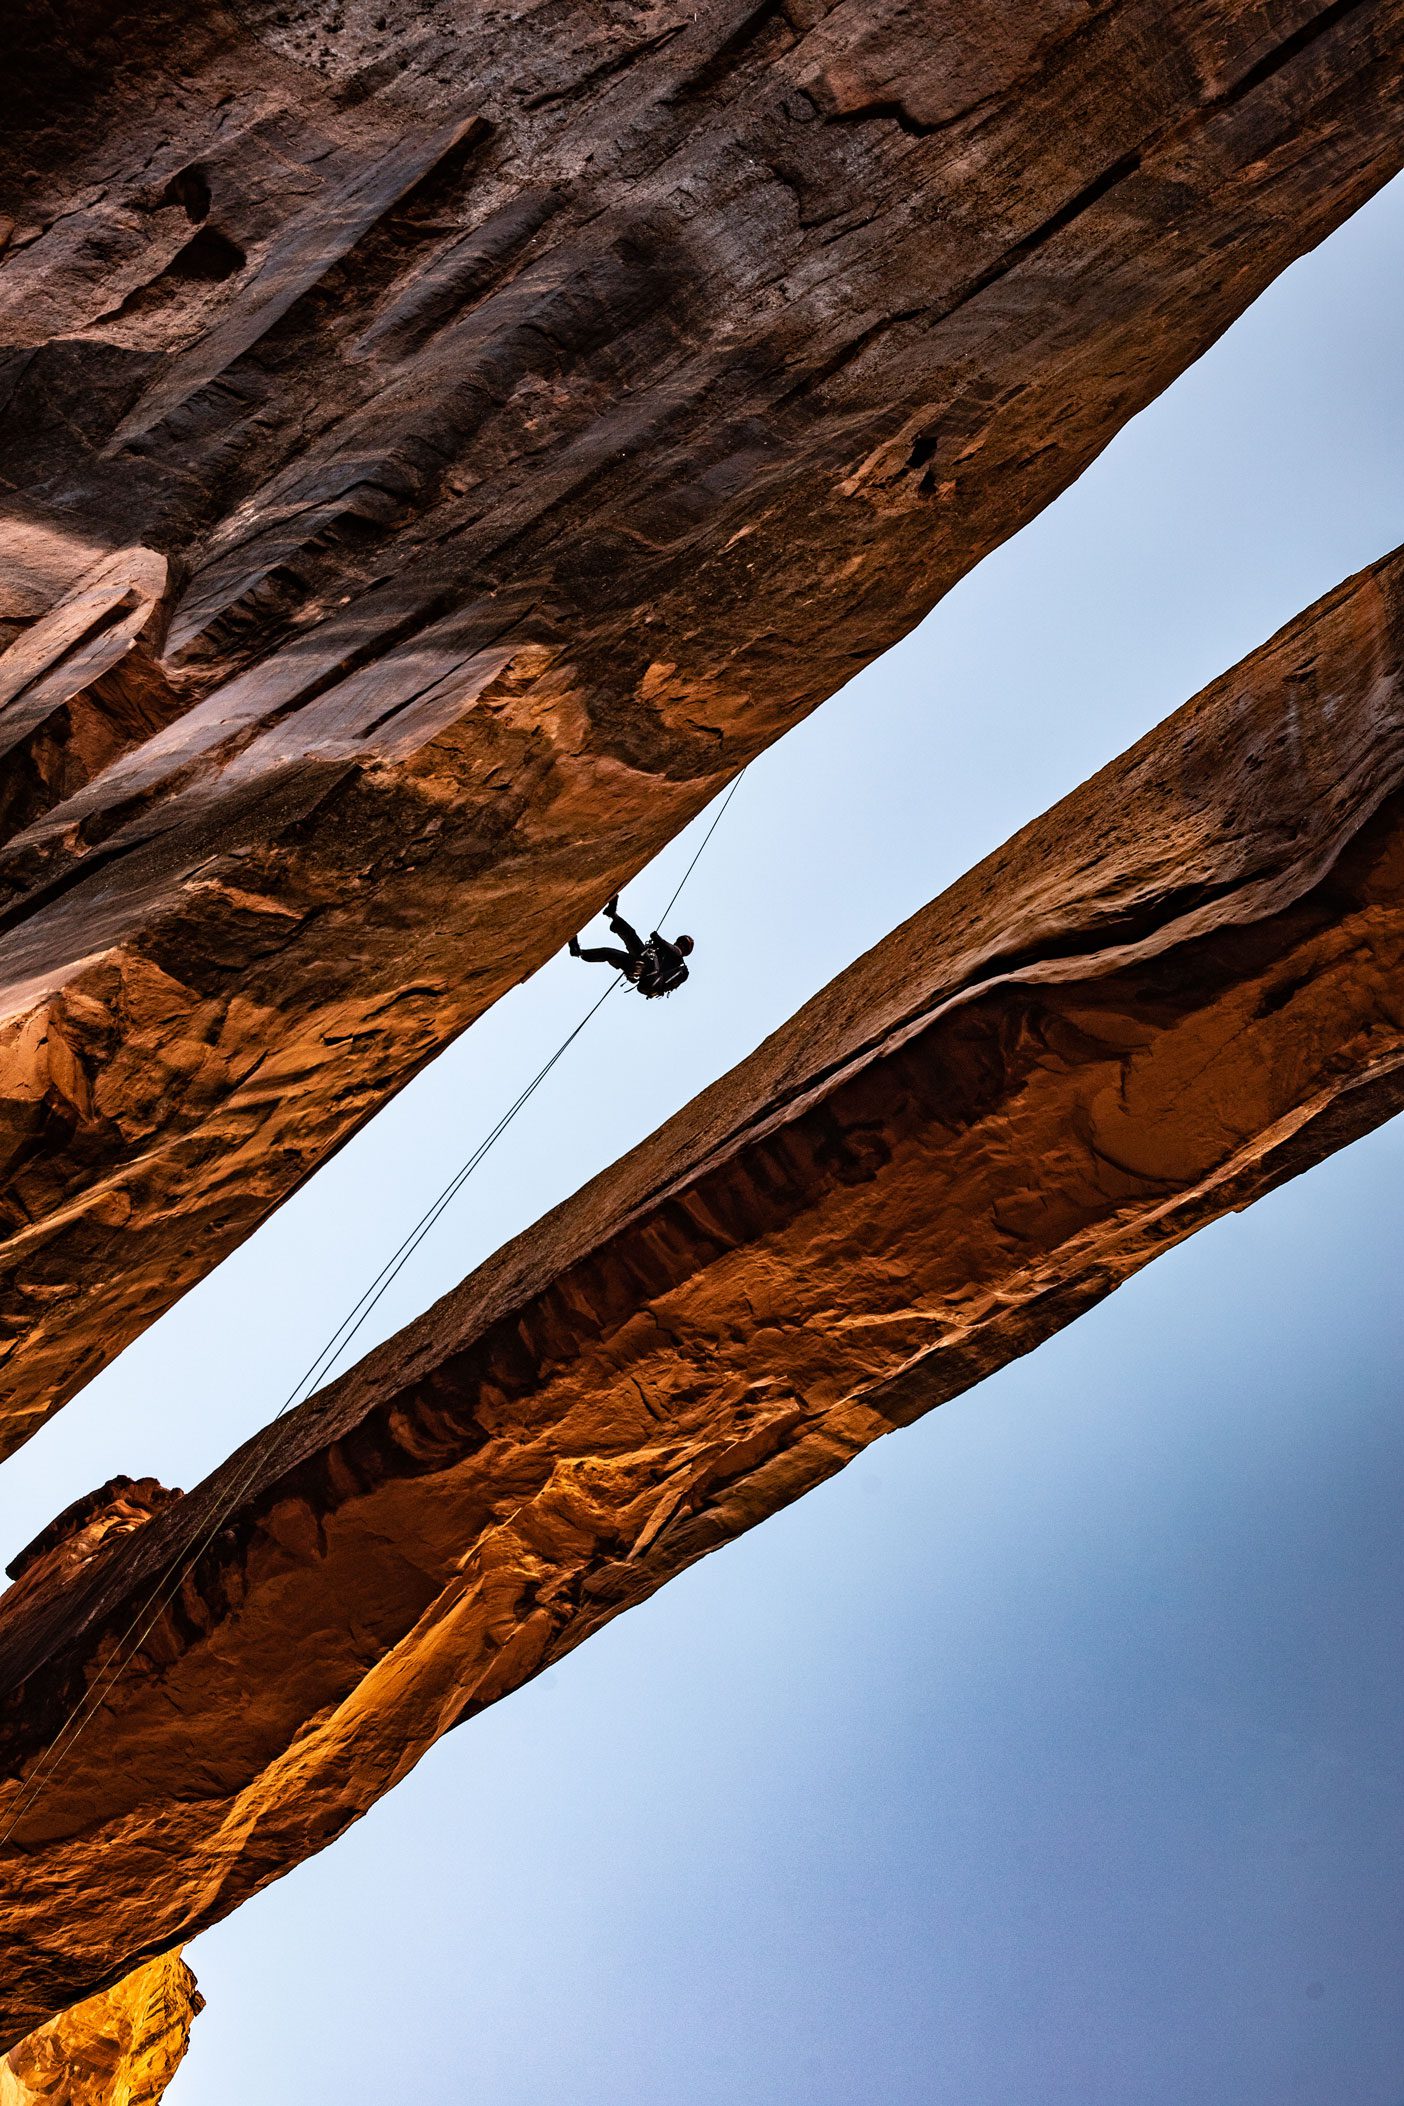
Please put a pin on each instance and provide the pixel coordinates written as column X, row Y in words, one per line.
column 655, row 978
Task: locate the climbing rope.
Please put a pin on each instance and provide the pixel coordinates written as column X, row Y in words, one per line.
column 188, row 1555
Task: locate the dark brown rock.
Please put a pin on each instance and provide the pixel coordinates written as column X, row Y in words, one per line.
column 535, row 411
column 67, row 1544
column 1181, row 986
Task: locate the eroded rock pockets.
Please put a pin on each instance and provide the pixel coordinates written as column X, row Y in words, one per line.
column 1180, row 986
column 536, row 413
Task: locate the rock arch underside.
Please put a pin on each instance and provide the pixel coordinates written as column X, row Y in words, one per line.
column 438, row 448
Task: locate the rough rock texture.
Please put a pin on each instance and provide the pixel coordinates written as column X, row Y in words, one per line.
column 120, row 2048
column 439, row 445
column 114, row 1509
column 1179, row 987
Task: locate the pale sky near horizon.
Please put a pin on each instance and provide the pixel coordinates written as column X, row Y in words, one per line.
column 1049, row 1756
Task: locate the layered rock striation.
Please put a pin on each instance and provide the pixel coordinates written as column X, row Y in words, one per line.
column 1182, row 985
column 438, row 447
column 120, row 2048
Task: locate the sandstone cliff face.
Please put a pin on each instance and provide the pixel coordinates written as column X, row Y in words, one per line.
column 1182, row 985
column 120, row 2048
column 68, row 1543
column 439, row 446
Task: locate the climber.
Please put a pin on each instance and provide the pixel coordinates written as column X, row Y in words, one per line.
column 655, row 967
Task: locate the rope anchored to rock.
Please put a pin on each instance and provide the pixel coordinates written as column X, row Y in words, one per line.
column 188, row 1555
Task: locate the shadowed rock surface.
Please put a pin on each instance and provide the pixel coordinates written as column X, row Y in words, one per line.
column 121, row 2048
column 1181, row 986
column 439, row 446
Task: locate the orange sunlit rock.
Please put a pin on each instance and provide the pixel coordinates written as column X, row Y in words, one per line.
column 1182, row 985
column 440, row 445
column 119, row 2048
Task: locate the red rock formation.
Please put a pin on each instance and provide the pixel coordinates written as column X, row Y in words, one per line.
column 121, row 2048
column 535, row 412
column 70, row 1542
column 79, row 685
column 1182, row 985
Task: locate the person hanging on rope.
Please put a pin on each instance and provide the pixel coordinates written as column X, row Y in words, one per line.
column 655, row 968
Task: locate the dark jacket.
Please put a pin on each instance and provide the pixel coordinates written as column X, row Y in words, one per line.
column 662, row 967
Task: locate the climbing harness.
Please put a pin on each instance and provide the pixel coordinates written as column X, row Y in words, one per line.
column 188, row 1555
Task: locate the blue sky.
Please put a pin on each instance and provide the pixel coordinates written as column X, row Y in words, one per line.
column 1052, row 1752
